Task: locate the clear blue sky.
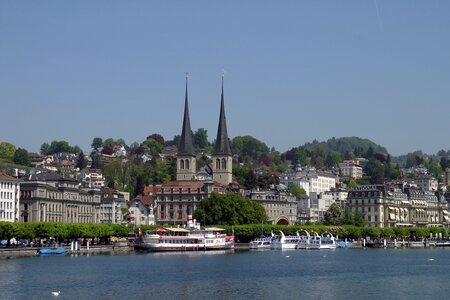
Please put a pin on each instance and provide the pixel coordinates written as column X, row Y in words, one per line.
column 295, row 70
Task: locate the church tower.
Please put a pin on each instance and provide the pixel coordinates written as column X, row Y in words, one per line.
column 186, row 163
column 222, row 159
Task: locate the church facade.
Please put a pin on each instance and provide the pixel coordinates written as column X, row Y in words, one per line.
column 178, row 199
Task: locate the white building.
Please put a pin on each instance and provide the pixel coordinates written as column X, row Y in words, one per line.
column 350, row 169
column 427, row 183
column 319, row 181
column 141, row 211
column 337, row 195
column 312, row 208
column 9, row 198
column 111, row 207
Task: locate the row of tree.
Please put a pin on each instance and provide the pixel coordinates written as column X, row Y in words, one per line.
column 61, row 231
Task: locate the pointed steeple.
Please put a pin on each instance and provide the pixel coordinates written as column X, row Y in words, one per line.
column 222, row 143
column 186, row 147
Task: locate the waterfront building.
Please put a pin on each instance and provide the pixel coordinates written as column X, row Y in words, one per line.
column 281, row 207
column 9, row 198
column 337, row 195
column 141, row 211
column 384, row 206
column 111, row 206
column 312, row 208
column 49, row 197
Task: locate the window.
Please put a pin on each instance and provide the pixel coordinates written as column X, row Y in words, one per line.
column 182, row 164
column 217, row 163
column 224, row 163
column 186, row 164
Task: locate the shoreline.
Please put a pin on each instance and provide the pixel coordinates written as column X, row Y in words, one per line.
column 6, row 253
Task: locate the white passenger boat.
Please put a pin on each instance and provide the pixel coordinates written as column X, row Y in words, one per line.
column 284, row 242
column 260, row 243
column 304, row 241
column 325, row 241
column 184, row 239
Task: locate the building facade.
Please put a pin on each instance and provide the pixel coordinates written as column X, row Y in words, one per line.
column 174, row 201
column 48, row 197
column 280, row 206
column 9, row 198
column 384, row 206
column 350, row 169
column 112, row 207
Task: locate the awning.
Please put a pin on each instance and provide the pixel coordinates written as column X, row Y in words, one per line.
column 445, row 218
column 391, row 208
column 405, row 202
column 445, row 212
column 392, row 217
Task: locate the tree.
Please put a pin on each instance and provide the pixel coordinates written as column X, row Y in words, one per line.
column 358, row 219
column 59, row 146
column 351, row 184
column 248, row 147
column 81, row 161
column 108, row 150
column 154, row 146
column 139, row 187
column 76, row 149
column 333, row 215
column 97, row 143
column 157, row 137
column 201, row 138
column 21, row 157
column 45, row 149
column 296, row 190
column 7, row 150
column 229, row 209
column 109, row 142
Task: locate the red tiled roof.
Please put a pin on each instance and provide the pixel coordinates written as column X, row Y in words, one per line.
column 145, row 199
column 151, row 189
column 7, row 177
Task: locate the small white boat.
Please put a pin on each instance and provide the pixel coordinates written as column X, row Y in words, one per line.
column 284, row 242
column 260, row 243
column 325, row 241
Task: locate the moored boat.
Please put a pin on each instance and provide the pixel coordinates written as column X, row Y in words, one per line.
column 324, row 241
column 192, row 238
column 51, row 251
column 285, row 242
column 260, row 243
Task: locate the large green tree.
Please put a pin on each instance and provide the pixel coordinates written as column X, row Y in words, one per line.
column 296, row 190
column 334, row 215
column 97, row 143
column 201, row 138
column 21, row 157
column 7, row 150
column 248, row 147
column 229, row 209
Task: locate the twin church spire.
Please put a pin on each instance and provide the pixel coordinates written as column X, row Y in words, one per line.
column 186, row 142
column 222, row 156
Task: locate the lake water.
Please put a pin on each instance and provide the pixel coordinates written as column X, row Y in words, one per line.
column 297, row 274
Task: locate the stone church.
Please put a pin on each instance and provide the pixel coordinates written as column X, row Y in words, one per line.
column 176, row 200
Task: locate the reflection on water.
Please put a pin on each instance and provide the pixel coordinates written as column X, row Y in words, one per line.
column 340, row 274
column 188, row 253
